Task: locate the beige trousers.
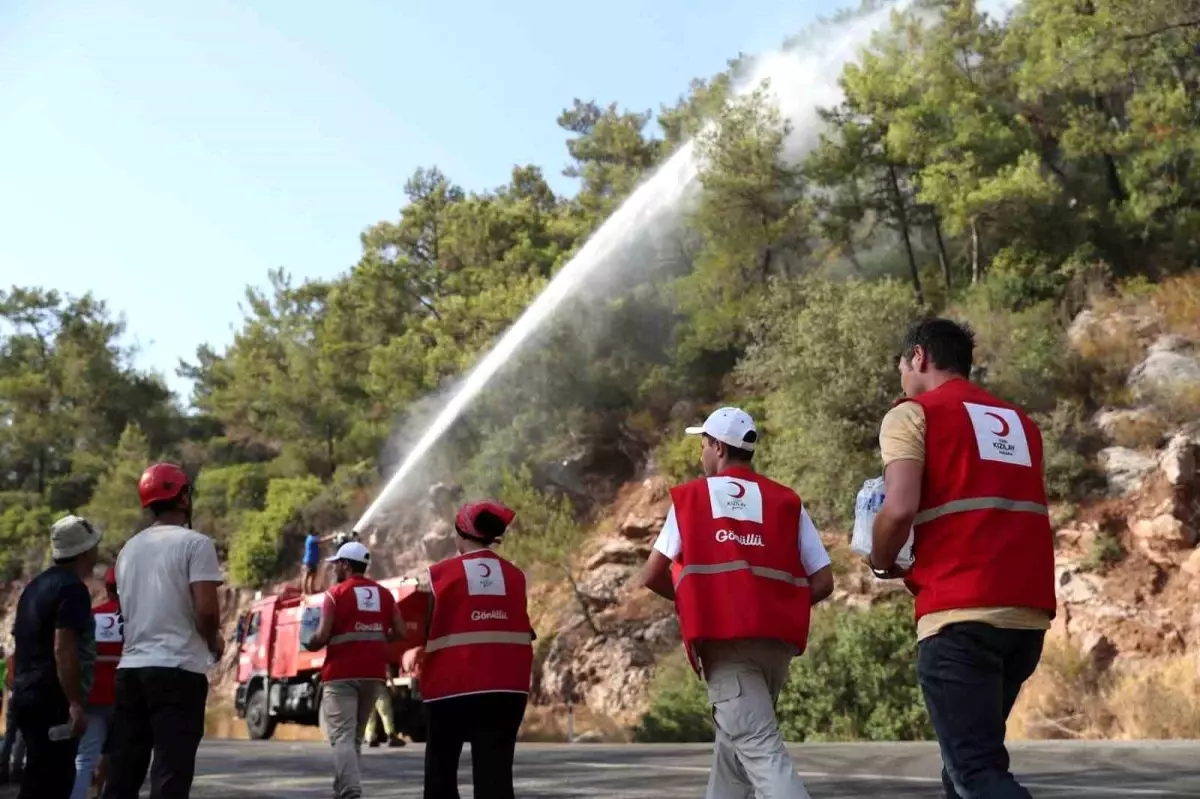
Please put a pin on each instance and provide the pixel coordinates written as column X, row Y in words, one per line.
column 345, row 707
column 750, row 760
column 383, row 712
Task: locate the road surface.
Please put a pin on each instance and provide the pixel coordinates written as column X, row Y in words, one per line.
column 282, row 770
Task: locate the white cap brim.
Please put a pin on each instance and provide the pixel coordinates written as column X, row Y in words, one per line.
column 694, row 431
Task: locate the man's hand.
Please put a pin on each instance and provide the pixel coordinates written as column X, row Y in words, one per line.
column 894, row 573
column 656, row 575
column 78, row 720
column 217, row 647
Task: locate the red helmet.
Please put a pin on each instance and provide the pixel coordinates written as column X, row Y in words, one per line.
column 469, row 513
column 162, row 482
column 110, row 576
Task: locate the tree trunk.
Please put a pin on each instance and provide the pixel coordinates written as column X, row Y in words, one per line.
column 943, row 259
column 902, row 220
column 976, row 265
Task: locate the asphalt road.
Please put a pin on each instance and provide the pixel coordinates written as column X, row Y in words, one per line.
column 281, row 770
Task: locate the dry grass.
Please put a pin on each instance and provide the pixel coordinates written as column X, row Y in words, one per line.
column 548, row 724
column 1068, row 698
column 1178, row 304
column 1139, row 431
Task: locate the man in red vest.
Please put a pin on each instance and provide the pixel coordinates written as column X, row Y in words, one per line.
column 110, row 640
column 478, row 659
column 358, row 619
column 963, row 471
column 744, row 564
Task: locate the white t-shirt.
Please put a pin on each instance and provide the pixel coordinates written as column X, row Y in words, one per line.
column 155, row 572
column 812, row 552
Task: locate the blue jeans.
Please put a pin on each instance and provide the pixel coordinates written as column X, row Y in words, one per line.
column 91, row 746
column 970, row 674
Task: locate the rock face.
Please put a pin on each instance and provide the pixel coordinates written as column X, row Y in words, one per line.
column 1125, row 469
column 1170, row 366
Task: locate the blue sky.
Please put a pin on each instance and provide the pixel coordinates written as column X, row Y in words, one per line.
column 163, row 155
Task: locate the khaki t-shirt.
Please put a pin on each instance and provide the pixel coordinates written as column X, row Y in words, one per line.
column 902, row 438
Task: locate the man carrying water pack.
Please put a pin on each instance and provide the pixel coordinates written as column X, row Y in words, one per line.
column 744, row 564
column 963, row 469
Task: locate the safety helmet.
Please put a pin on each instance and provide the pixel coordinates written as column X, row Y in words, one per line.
column 468, row 516
column 162, row 482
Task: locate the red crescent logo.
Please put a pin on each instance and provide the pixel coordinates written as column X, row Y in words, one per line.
column 739, row 490
column 485, row 570
column 112, row 622
column 1004, row 428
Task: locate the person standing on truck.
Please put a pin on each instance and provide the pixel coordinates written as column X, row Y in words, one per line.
column 744, row 564
column 109, row 643
column 358, row 619
column 55, row 657
column 167, row 576
column 478, row 659
column 312, row 560
column 963, row 470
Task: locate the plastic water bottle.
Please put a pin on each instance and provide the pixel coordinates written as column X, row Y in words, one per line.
column 60, row 732
column 310, row 620
column 866, row 508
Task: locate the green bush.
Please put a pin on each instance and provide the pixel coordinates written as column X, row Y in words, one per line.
column 255, row 549
column 1068, row 439
column 224, row 493
column 679, row 711
column 857, row 680
column 678, row 458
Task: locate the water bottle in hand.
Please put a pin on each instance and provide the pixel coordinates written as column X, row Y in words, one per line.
column 60, row 732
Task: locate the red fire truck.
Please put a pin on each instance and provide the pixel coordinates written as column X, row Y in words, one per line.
column 280, row 681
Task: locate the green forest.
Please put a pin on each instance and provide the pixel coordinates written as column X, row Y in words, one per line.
column 996, row 170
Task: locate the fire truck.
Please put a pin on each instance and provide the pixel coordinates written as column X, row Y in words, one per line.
column 278, row 680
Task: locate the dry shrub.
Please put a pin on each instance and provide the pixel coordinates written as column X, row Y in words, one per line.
column 1068, row 697
column 548, row 724
column 1063, row 699
column 1139, row 431
column 1158, row 701
column 1178, row 303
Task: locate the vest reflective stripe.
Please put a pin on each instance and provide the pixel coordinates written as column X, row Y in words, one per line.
column 980, row 503
column 738, row 565
column 348, row 638
column 468, row 638
column 108, row 658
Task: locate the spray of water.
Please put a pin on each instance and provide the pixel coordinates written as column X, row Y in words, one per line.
column 801, row 80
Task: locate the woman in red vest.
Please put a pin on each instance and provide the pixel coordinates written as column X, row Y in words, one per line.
column 110, row 640
column 963, row 470
column 478, row 659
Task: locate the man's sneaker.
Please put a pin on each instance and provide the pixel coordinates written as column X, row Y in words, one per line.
column 373, row 743
column 395, row 742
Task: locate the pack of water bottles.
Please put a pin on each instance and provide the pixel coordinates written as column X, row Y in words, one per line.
column 866, row 506
column 310, row 620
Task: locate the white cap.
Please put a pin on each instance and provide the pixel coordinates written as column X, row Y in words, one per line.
column 352, row 550
column 71, row 536
column 730, row 426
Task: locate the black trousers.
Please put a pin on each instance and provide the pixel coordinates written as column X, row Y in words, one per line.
column 970, row 674
column 490, row 723
column 49, row 765
column 159, row 712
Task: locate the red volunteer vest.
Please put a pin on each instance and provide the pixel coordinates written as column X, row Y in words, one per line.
column 480, row 638
column 982, row 532
column 358, row 648
column 110, row 640
column 739, row 573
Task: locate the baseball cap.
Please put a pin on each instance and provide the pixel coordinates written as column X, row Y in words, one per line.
column 730, row 426
column 352, row 550
column 467, row 519
column 72, row 535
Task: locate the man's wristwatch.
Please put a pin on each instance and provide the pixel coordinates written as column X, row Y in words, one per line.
column 882, row 574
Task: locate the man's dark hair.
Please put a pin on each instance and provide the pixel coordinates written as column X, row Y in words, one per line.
column 66, row 561
column 737, row 453
column 165, row 506
column 949, row 345
column 355, row 566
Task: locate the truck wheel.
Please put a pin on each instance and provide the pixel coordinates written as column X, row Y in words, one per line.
column 259, row 724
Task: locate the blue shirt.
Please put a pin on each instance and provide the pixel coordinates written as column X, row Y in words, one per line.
column 312, row 550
